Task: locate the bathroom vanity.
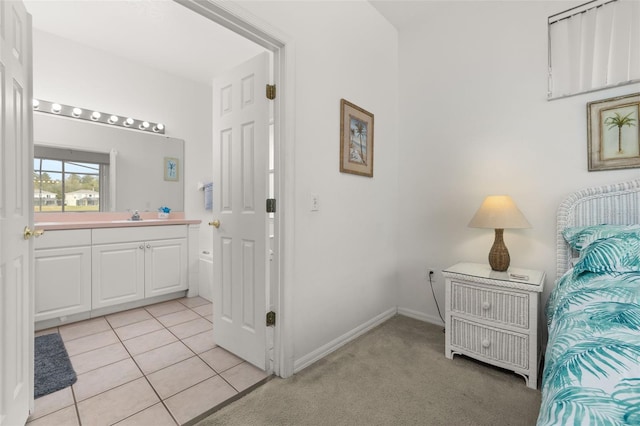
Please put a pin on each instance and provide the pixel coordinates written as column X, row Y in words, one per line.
column 92, row 268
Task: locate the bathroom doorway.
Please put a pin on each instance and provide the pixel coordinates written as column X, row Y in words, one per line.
column 194, row 154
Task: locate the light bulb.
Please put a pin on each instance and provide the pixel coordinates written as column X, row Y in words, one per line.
column 128, row 122
column 158, row 127
column 144, row 125
column 56, row 108
column 113, row 119
column 36, row 104
column 95, row 115
column 76, row 112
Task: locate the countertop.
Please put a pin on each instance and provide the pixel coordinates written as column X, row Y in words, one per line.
column 54, row 221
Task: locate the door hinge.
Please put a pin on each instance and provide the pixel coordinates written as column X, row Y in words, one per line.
column 271, row 319
column 271, row 205
column 271, row 91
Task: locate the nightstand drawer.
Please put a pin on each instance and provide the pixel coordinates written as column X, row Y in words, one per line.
column 500, row 306
column 487, row 342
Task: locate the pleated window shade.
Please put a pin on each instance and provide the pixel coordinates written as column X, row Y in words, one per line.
column 594, row 46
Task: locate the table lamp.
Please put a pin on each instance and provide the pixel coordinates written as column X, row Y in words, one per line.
column 499, row 212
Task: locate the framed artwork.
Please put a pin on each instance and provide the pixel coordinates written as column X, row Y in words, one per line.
column 356, row 140
column 613, row 133
column 171, row 169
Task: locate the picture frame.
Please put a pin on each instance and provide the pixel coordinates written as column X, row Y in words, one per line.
column 171, row 169
column 613, row 133
column 356, row 139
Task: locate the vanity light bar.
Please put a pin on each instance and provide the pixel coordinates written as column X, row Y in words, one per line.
column 96, row 116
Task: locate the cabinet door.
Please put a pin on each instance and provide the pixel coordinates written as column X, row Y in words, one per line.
column 62, row 282
column 117, row 274
column 166, row 266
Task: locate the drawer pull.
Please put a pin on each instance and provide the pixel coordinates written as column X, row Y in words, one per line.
column 141, row 247
column 486, row 305
column 486, row 343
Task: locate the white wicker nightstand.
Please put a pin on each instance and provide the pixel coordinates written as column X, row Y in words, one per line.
column 493, row 316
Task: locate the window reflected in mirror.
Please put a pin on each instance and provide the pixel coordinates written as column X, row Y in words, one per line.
column 69, row 181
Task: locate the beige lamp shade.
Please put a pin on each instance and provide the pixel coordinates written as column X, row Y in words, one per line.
column 499, row 212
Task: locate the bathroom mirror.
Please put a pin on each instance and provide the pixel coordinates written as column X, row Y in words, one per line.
column 136, row 177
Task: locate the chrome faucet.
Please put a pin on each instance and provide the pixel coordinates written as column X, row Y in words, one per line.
column 136, row 215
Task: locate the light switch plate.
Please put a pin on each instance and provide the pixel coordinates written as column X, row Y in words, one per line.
column 314, row 202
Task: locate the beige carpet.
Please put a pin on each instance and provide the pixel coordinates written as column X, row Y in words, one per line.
column 396, row 374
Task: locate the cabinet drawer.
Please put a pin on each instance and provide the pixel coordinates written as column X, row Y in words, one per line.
column 497, row 305
column 490, row 343
column 138, row 233
column 64, row 238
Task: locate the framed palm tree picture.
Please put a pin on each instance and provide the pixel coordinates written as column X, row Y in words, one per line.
column 614, row 133
column 356, row 139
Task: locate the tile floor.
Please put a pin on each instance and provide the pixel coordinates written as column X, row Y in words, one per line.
column 156, row 365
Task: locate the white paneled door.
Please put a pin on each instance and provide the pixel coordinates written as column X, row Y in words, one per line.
column 240, row 166
column 16, row 317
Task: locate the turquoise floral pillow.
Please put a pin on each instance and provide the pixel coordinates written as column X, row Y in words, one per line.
column 579, row 237
column 614, row 254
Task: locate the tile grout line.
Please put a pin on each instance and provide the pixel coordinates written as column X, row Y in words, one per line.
column 121, row 341
column 120, row 385
column 162, row 401
column 219, row 374
column 75, row 405
column 145, row 376
column 130, row 356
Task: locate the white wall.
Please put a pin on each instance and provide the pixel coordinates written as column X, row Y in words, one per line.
column 474, row 121
column 70, row 73
column 345, row 259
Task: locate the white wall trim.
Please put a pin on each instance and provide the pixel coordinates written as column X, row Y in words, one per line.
column 285, row 218
column 421, row 316
column 325, row 350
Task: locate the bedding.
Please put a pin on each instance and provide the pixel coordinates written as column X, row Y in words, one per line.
column 592, row 366
column 592, row 362
column 579, row 237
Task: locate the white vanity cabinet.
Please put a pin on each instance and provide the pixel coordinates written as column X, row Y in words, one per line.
column 118, row 273
column 62, row 267
column 130, row 264
column 165, row 266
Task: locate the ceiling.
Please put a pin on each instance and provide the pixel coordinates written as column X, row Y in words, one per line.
column 403, row 13
column 160, row 34
column 165, row 35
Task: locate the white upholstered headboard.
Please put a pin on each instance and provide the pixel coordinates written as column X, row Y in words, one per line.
column 617, row 204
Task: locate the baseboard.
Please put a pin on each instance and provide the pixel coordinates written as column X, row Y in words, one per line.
column 94, row 313
column 325, row 350
column 420, row 316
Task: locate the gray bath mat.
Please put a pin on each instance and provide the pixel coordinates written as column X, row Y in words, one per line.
column 53, row 370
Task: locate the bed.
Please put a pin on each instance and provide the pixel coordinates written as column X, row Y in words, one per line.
column 592, row 361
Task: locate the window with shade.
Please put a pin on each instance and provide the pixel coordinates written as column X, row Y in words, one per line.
column 594, row 46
